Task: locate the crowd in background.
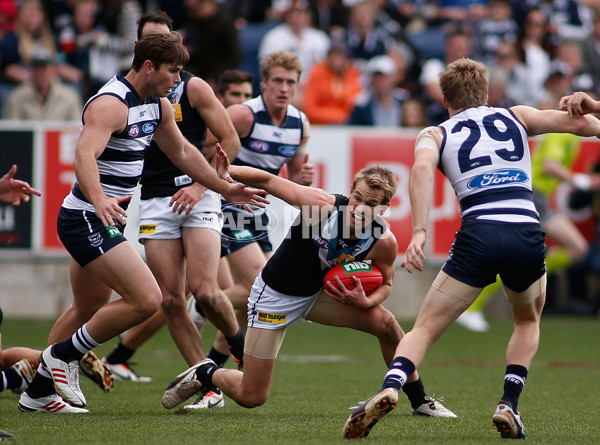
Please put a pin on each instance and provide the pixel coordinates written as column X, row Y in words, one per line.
column 369, row 62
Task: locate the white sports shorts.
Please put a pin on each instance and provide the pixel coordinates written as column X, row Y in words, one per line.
column 269, row 309
column 157, row 220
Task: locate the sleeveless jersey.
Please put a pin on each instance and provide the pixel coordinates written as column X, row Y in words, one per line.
column 160, row 176
column 121, row 162
column 485, row 156
column 299, row 265
column 268, row 146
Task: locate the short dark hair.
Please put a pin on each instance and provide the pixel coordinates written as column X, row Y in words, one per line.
column 160, row 17
column 232, row 77
column 160, row 47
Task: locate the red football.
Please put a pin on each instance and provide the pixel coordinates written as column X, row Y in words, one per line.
column 369, row 275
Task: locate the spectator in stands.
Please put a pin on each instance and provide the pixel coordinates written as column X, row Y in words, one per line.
column 413, row 113
column 330, row 16
column 462, row 12
column 491, row 31
column 208, row 23
column 362, row 36
column 297, row 36
column 16, row 48
column 43, row 96
column 381, row 104
column 111, row 50
column 457, row 46
column 332, row 87
column 569, row 19
column 77, row 39
column 520, row 88
column 536, row 45
column 570, row 52
column 557, row 85
column 591, row 55
column 8, row 15
column 497, row 87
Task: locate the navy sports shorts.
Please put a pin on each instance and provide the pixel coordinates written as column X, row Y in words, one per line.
column 85, row 237
column 484, row 249
column 241, row 229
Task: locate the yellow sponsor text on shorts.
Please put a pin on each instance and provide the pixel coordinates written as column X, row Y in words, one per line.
column 267, row 317
column 148, row 228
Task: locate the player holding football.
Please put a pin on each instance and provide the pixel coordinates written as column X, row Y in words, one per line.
column 331, row 229
column 484, row 152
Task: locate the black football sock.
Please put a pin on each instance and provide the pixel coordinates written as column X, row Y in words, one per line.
column 204, row 374
column 514, row 380
column 10, row 379
column 120, row 354
column 218, row 357
column 236, row 346
column 75, row 347
column 415, row 392
column 42, row 384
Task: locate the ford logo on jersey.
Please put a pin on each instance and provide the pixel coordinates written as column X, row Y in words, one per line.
column 287, row 150
column 497, row 177
column 259, row 146
column 148, row 128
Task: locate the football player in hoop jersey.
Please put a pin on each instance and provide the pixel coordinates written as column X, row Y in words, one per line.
column 119, row 123
column 484, row 153
column 331, row 229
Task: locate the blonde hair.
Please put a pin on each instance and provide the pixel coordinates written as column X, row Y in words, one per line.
column 27, row 40
column 464, row 84
column 378, row 178
column 284, row 59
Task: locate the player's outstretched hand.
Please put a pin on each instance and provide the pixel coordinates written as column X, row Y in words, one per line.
column 414, row 255
column 244, row 196
column 14, row 190
column 578, row 104
column 355, row 297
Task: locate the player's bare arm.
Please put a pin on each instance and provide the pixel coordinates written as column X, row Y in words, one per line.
column 189, row 160
column 242, row 119
column 555, row 121
column 288, row 191
column 421, row 194
column 203, row 100
column 103, row 117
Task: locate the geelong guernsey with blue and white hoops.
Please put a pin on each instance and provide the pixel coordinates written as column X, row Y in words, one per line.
column 268, row 146
column 485, row 156
column 120, row 164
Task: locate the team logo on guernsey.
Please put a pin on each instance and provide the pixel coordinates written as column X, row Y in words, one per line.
column 498, row 178
column 95, row 239
column 268, row 317
column 148, row 128
column 260, row 146
column 134, row 131
column 287, row 150
column 321, row 242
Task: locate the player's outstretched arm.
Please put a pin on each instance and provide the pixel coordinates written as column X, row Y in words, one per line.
column 555, row 121
column 288, row 191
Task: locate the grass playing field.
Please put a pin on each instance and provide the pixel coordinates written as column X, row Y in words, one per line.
column 320, row 373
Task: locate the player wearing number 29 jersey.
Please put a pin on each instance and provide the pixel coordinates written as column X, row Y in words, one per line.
column 484, row 153
column 485, row 156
